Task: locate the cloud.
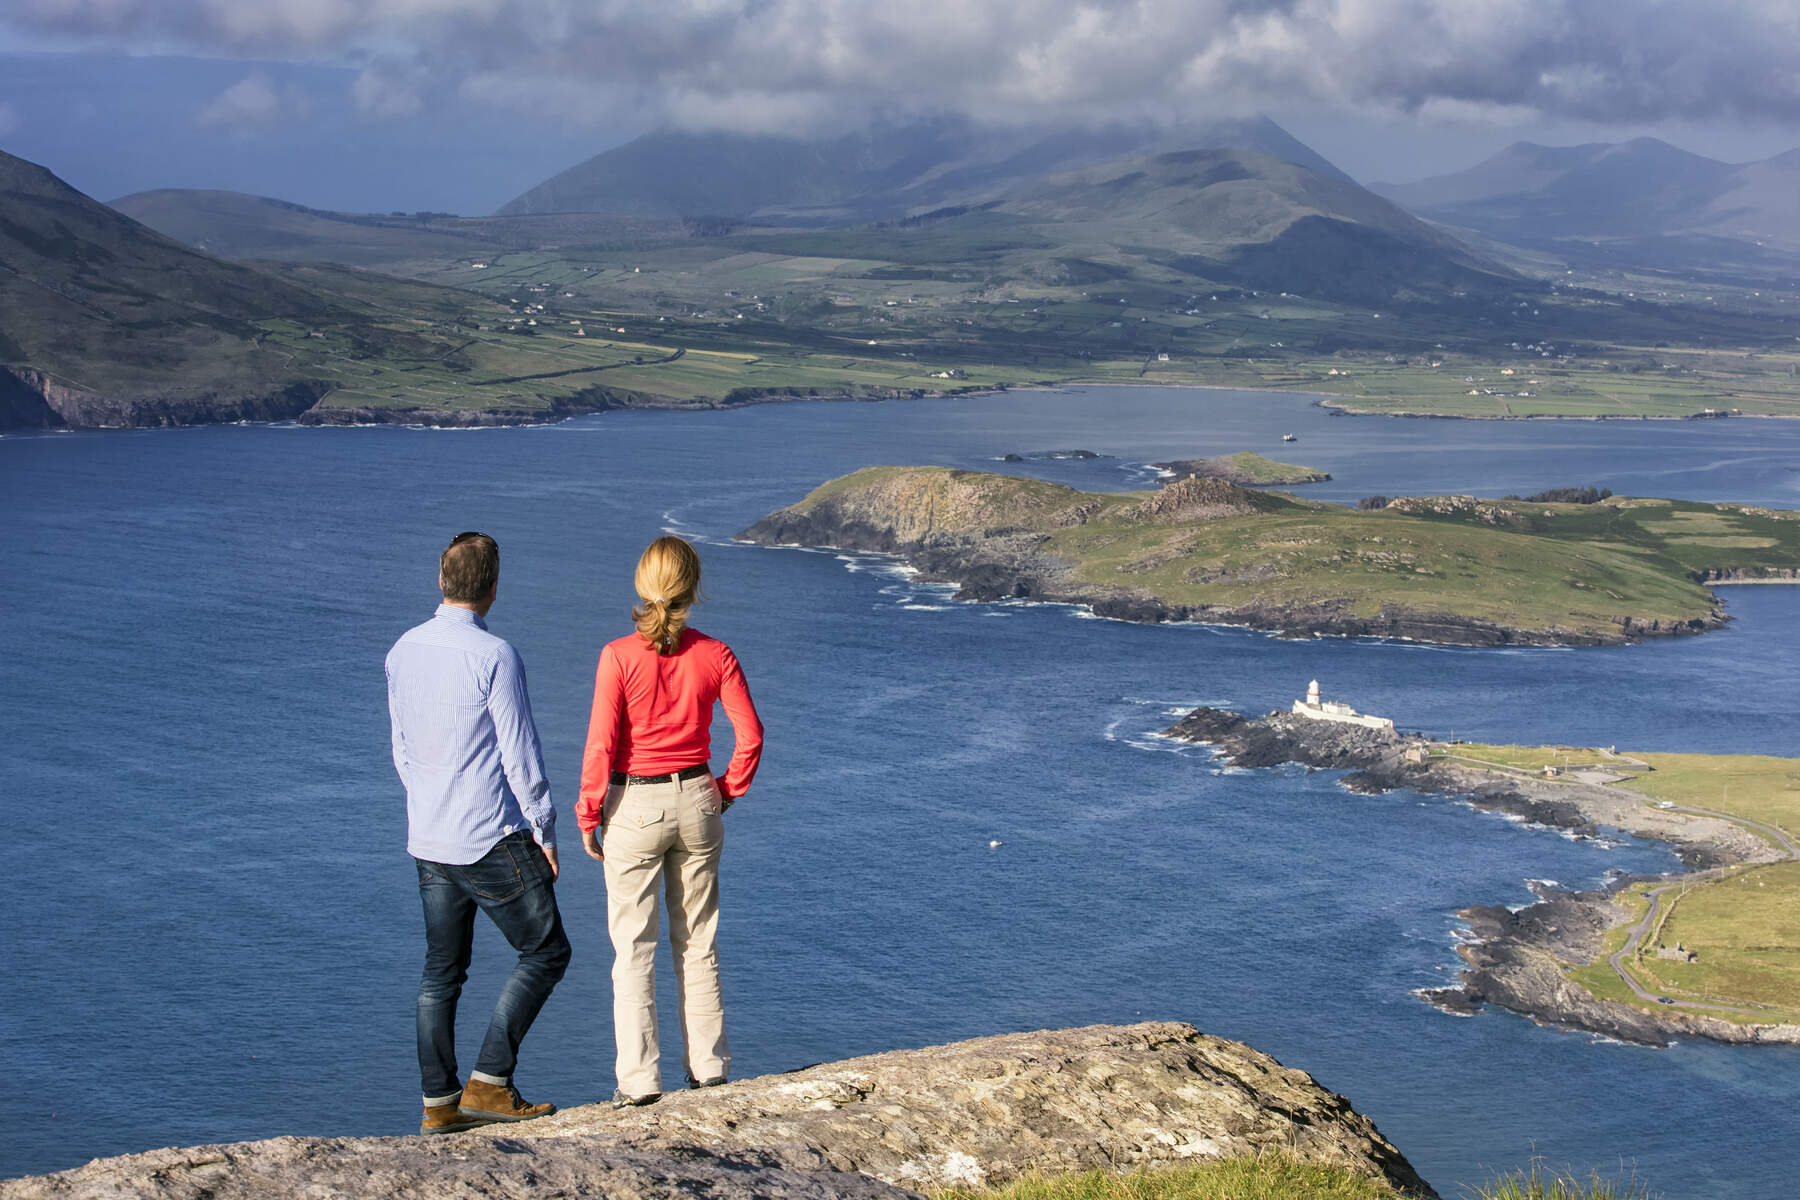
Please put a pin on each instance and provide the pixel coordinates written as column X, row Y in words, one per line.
column 252, row 104
column 388, row 90
column 778, row 63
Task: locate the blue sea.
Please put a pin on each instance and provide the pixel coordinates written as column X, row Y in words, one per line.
column 211, row 931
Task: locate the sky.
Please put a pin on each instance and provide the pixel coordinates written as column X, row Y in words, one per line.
column 460, row 105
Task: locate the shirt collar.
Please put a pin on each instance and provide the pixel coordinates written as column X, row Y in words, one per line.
column 462, row 616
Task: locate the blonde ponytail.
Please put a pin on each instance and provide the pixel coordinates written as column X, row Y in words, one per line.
column 668, row 584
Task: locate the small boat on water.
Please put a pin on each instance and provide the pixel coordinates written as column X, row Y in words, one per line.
column 1288, row 437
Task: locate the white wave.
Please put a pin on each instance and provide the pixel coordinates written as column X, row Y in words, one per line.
column 1423, row 994
column 1175, row 704
column 1600, row 1039
column 1157, row 744
column 926, row 607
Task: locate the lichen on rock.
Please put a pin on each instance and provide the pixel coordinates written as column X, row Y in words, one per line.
column 975, row 1113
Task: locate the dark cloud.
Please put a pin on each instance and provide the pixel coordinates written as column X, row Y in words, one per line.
column 778, row 63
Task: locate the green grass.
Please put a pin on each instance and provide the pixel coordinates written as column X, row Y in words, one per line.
column 1266, row 1178
column 1539, row 1182
column 1275, row 1177
column 1761, row 787
column 1744, row 930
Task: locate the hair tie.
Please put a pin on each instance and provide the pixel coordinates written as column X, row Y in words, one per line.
column 657, row 600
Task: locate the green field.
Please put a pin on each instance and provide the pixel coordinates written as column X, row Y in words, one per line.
column 1744, row 926
column 992, row 299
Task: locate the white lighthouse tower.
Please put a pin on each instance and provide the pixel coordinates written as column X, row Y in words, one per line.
column 1312, row 694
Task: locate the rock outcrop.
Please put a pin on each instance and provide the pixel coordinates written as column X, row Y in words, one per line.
column 973, row 1113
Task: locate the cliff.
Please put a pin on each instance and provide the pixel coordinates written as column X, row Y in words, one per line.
column 31, row 399
column 974, row 1113
column 1447, row 569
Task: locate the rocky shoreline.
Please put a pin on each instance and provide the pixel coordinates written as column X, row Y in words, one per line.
column 31, row 399
column 1513, row 959
column 971, row 1114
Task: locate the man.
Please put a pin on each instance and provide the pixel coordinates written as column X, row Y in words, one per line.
column 482, row 829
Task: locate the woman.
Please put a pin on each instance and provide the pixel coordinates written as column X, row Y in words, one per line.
column 645, row 780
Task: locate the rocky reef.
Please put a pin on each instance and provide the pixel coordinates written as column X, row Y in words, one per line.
column 973, row 1113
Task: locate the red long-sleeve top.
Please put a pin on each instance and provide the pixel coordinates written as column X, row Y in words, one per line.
column 653, row 715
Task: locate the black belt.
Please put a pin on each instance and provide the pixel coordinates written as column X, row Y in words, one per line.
column 693, row 772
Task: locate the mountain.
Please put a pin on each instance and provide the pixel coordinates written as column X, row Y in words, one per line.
column 235, row 225
column 1641, row 190
column 106, row 319
column 1251, row 218
column 883, row 173
column 105, row 322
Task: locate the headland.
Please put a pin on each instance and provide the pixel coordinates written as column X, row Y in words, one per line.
column 1611, row 960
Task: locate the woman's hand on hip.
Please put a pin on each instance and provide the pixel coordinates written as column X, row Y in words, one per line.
column 590, row 841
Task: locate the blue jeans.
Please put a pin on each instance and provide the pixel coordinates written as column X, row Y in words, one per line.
column 511, row 884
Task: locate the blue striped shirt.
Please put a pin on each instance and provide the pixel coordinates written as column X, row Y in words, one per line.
column 464, row 741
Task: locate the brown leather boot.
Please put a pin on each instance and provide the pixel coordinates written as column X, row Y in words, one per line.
column 492, row 1102
column 447, row 1118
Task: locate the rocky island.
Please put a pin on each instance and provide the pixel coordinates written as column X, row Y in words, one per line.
column 1453, row 569
column 1246, row 469
column 1576, row 959
column 972, row 1114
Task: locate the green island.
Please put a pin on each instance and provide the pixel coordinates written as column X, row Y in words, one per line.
column 1722, row 941
column 1246, row 468
column 1442, row 568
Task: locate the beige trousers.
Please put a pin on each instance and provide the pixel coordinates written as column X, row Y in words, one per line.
column 665, row 839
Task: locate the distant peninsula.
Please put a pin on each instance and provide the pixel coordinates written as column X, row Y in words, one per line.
column 1705, row 953
column 1451, row 569
column 1246, row 469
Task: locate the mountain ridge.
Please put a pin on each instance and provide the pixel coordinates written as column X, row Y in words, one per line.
column 1642, row 188
column 884, row 173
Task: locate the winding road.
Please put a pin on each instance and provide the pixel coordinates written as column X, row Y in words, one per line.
column 1635, row 935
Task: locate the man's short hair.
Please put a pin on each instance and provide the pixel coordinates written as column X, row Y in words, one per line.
column 470, row 567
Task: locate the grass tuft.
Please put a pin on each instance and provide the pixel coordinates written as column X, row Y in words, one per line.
column 1266, row 1178
column 1539, row 1182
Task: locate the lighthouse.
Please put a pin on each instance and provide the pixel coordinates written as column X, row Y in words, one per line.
column 1319, row 709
